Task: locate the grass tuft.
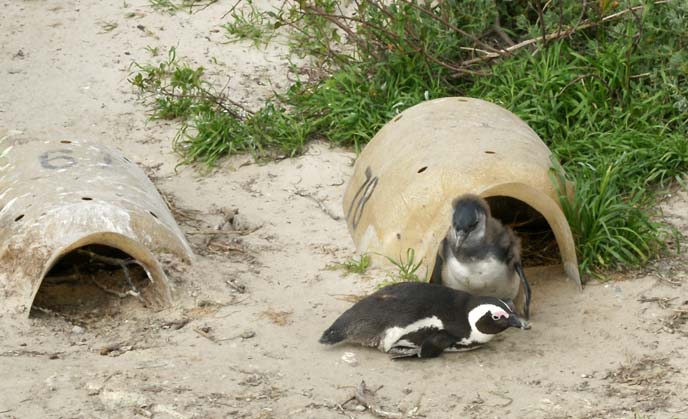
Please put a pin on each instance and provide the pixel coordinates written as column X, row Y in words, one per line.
column 354, row 265
column 173, row 6
column 250, row 24
column 407, row 269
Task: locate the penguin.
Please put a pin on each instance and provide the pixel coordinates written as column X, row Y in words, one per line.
column 418, row 319
column 481, row 256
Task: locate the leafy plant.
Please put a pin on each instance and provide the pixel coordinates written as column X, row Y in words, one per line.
column 172, row 6
column 355, row 265
column 253, row 25
column 407, row 270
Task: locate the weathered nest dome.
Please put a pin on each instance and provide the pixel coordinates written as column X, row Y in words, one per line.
column 405, row 179
column 62, row 195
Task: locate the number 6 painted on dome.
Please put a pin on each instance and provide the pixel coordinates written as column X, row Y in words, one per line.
column 50, row 159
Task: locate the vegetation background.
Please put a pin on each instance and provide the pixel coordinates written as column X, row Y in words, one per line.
column 604, row 84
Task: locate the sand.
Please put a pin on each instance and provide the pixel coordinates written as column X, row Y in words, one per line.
column 242, row 338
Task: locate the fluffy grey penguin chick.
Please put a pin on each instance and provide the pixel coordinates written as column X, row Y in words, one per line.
column 419, row 319
column 481, row 256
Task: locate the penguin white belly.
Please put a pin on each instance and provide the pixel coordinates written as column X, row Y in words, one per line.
column 391, row 336
column 482, row 277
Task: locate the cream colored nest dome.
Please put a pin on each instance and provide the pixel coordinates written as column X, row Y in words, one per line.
column 57, row 196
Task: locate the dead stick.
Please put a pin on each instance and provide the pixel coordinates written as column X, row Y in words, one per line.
column 215, row 232
column 205, row 335
column 118, row 294
column 362, row 398
column 556, row 35
column 322, row 206
column 134, row 291
column 122, row 263
column 230, row 10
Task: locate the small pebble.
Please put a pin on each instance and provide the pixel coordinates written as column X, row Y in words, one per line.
column 77, row 330
column 350, row 358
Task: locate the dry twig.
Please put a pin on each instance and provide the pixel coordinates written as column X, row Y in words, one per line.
column 364, row 396
column 320, row 203
column 554, row 35
column 206, row 335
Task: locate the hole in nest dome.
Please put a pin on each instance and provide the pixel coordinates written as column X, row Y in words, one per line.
column 490, row 152
column 86, row 198
column 92, row 282
column 422, row 169
column 153, row 214
column 66, row 142
column 538, row 244
column 19, row 217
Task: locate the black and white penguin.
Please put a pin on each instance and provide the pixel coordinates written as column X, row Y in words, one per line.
column 481, row 256
column 420, row 319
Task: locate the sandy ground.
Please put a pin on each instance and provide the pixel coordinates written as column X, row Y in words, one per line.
column 241, row 341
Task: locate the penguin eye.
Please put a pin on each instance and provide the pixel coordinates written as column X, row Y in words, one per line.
column 495, row 317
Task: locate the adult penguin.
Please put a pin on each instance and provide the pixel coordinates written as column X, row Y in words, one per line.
column 416, row 319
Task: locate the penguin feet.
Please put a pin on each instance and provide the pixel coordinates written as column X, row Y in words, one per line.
column 432, row 346
column 401, row 352
column 527, row 293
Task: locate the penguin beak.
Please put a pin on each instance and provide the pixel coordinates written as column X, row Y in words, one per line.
column 515, row 321
column 460, row 237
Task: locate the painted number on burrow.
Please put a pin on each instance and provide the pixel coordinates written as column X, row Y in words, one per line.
column 363, row 194
column 62, row 159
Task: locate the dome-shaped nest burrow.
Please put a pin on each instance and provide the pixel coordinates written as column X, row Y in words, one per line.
column 93, row 281
column 71, row 211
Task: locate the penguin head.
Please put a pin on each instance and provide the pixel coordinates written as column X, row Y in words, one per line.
column 470, row 213
column 489, row 316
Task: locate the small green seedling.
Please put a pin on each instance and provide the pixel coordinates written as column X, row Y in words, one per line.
column 407, row 270
column 354, row 265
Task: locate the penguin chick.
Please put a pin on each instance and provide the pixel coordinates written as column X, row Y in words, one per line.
column 481, row 256
column 420, row 319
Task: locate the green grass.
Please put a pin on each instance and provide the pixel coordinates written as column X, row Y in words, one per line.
column 250, row 24
column 620, row 136
column 610, row 99
column 406, row 269
column 355, row 265
column 212, row 125
column 173, row 6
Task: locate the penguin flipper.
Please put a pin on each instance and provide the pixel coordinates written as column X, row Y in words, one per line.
column 436, row 277
column 526, row 289
column 436, row 343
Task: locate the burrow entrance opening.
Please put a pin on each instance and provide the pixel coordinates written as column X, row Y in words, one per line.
column 93, row 280
column 539, row 246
